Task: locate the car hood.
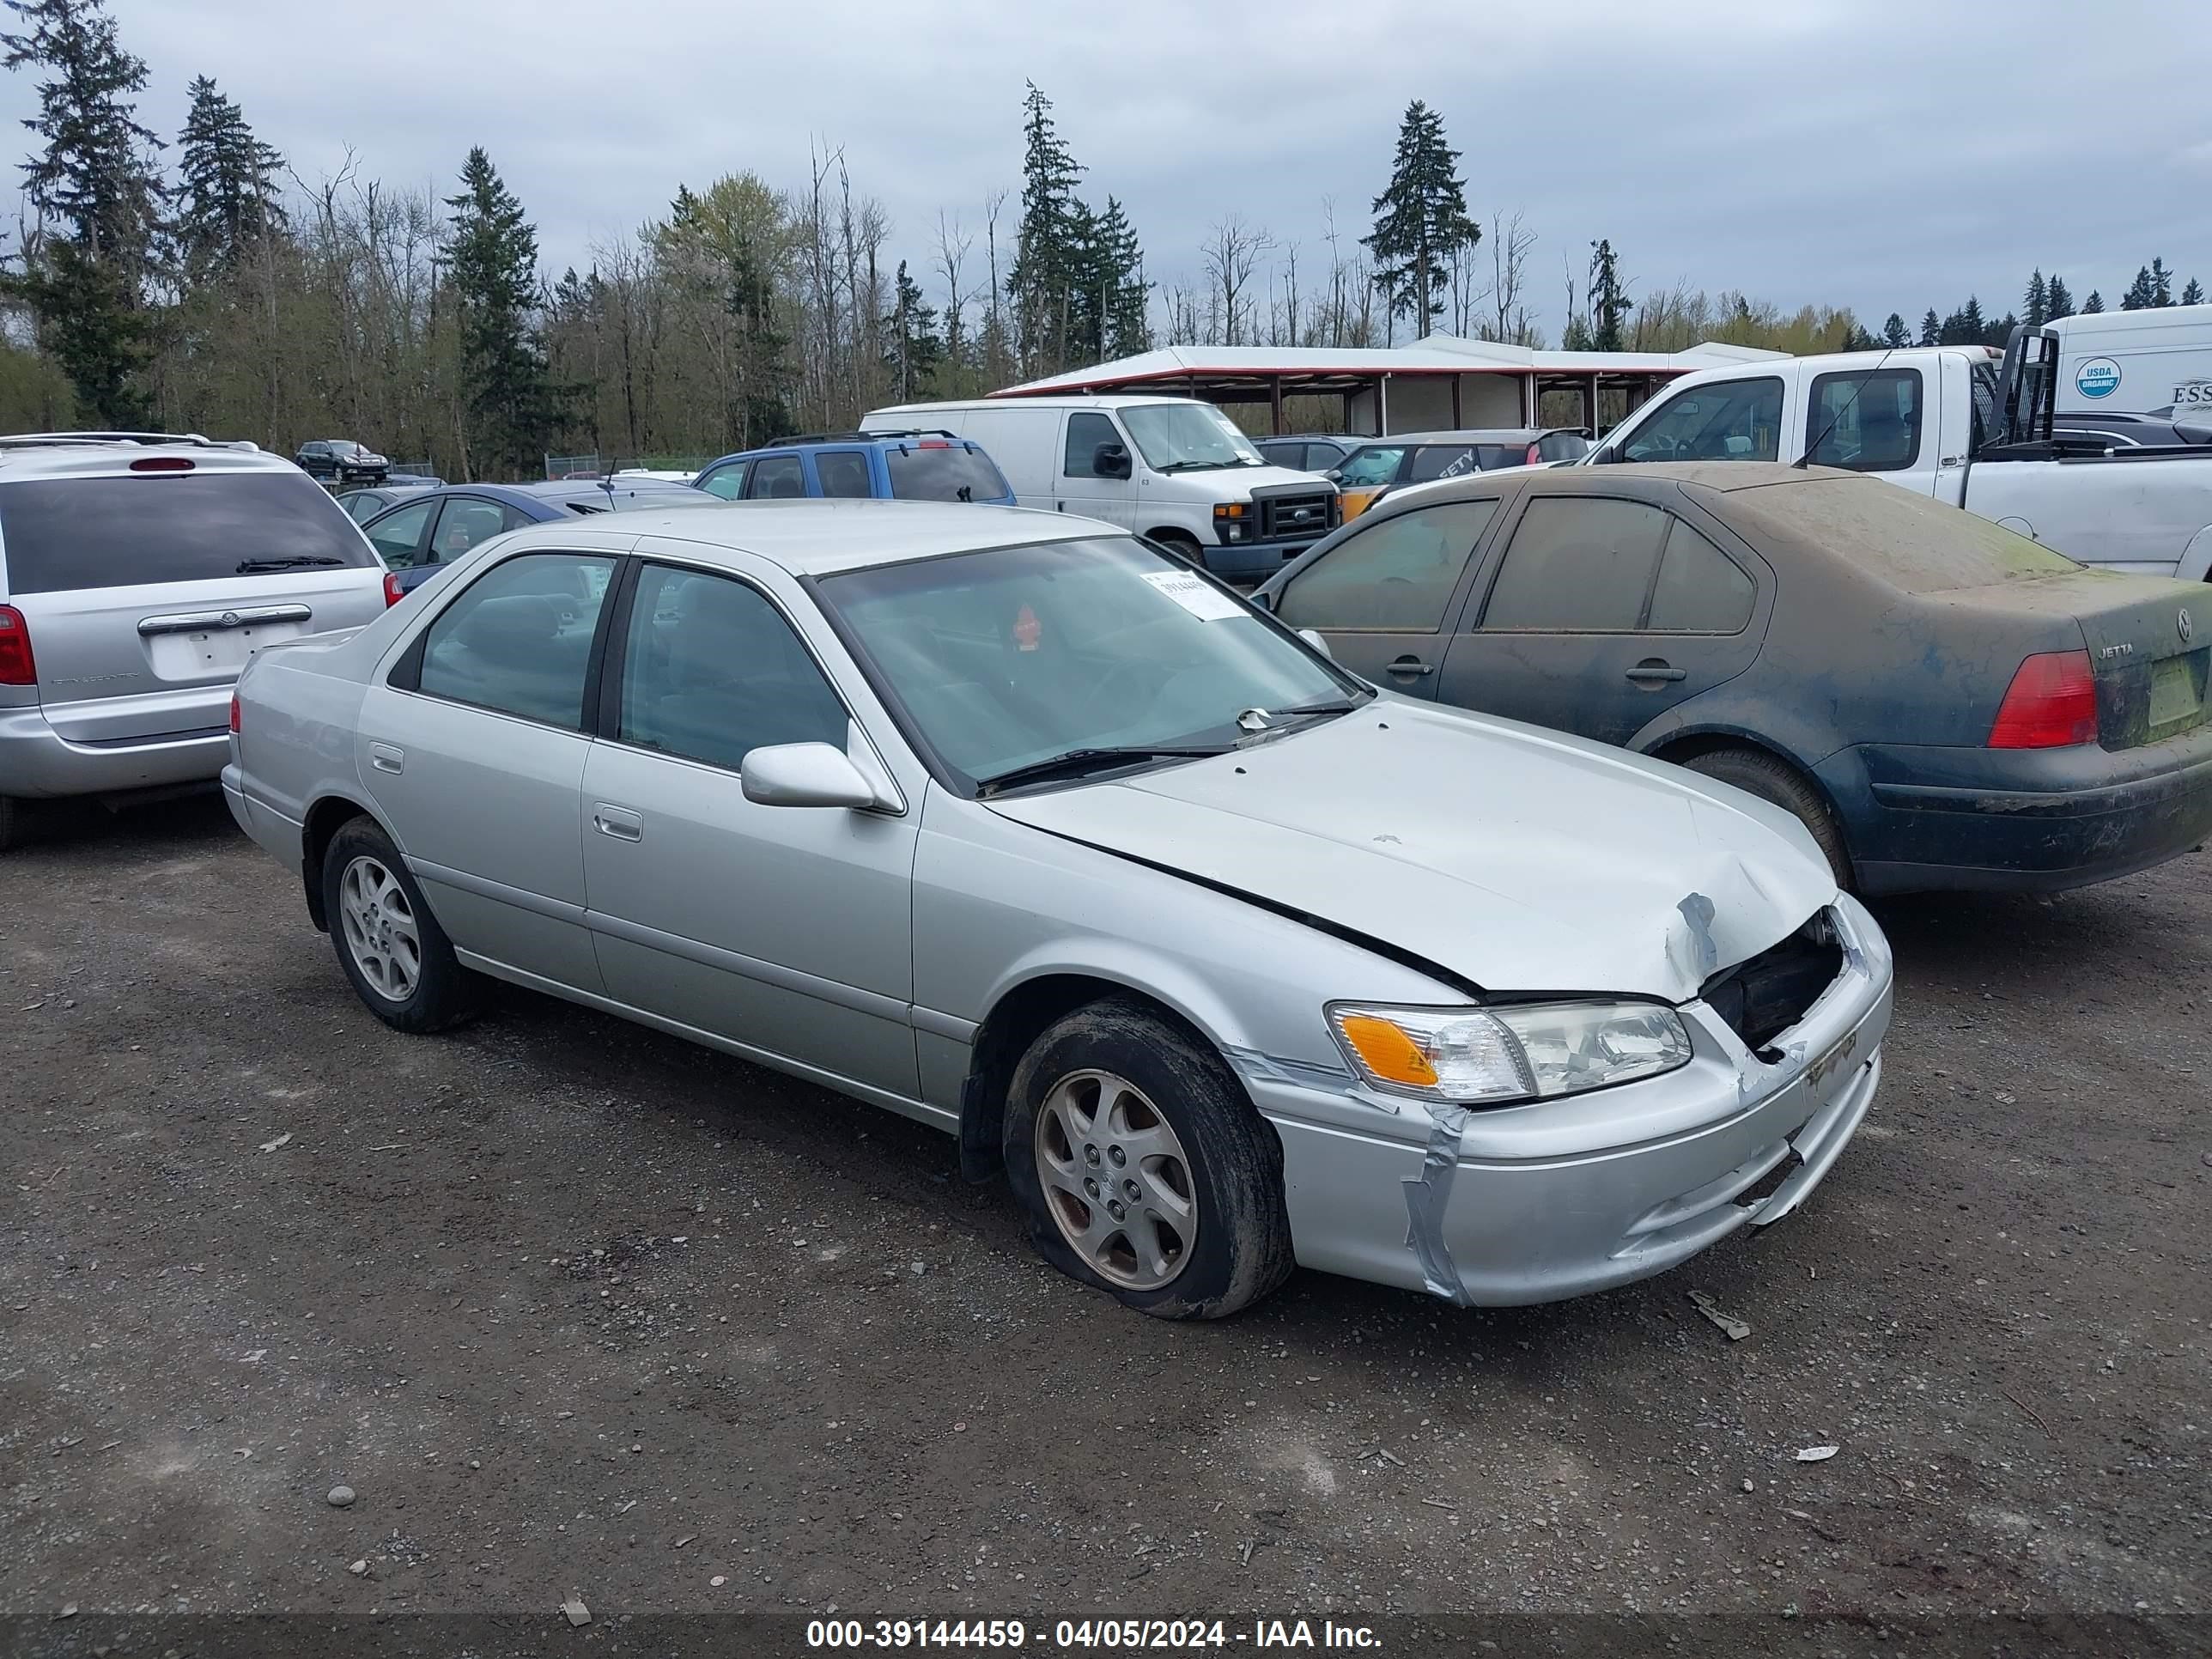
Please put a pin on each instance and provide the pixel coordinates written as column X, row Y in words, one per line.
column 1515, row 858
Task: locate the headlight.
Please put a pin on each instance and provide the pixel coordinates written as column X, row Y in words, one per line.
column 1527, row 1051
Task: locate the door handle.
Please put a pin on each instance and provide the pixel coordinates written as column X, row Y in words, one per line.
column 1410, row 668
column 1653, row 669
column 617, row 821
column 387, row 757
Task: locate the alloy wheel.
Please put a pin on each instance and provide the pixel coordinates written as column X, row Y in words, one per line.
column 380, row 934
column 1117, row 1179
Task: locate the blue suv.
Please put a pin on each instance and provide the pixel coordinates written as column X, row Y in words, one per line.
column 907, row 466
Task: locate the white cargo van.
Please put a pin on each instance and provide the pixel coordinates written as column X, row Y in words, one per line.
column 1173, row 469
column 2154, row 362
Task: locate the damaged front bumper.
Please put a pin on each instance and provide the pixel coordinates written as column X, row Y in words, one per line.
column 1559, row 1197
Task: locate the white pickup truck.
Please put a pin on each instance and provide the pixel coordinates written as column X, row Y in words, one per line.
column 1961, row 423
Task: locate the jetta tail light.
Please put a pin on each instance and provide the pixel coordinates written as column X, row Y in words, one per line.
column 233, row 715
column 394, row 593
column 16, row 667
column 2050, row 704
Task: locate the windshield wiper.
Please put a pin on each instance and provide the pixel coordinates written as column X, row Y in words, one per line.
column 1076, row 762
column 1206, row 466
column 248, row 566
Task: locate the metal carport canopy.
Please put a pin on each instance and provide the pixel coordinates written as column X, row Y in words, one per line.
column 1269, row 373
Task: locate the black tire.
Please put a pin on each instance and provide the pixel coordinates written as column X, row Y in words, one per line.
column 1774, row 779
column 1183, row 546
column 442, row 992
column 1233, row 1162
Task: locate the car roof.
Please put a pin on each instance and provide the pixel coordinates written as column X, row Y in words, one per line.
column 821, row 537
column 82, row 454
column 844, row 440
column 1500, row 435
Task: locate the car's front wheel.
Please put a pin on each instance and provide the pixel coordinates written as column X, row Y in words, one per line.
column 400, row 960
column 1142, row 1166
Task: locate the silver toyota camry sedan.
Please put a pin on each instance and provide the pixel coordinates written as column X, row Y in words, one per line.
column 1011, row 823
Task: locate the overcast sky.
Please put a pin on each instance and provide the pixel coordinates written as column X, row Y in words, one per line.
column 1883, row 155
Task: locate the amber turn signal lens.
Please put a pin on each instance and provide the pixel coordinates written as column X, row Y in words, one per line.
column 1386, row 1051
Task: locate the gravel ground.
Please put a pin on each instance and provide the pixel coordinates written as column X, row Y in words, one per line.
column 572, row 1307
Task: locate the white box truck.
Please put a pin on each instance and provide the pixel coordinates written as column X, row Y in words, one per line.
column 2154, row 362
column 1173, row 469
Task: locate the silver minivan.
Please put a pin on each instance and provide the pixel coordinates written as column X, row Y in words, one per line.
column 137, row 572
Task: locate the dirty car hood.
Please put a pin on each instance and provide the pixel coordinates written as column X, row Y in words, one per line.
column 1519, row 859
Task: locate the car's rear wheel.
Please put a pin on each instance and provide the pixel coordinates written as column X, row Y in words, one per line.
column 1143, row 1169
column 1774, row 779
column 400, row 960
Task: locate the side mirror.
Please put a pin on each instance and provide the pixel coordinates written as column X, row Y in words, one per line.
column 805, row 775
column 1317, row 642
column 1334, row 475
column 1110, row 461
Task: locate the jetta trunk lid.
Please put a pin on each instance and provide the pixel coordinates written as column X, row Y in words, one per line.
column 1518, row 859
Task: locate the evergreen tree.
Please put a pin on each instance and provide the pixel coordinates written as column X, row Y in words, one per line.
column 916, row 352
column 2094, row 304
column 2194, row 294
column 1999, row 333
column 1608, row 304
column 514, row 406
column 1118, row 277
column 1420, row 219
column 1931, row 328
column 2036, row 305
column 2137, row 297
column 2057, row 301
column 1894, row 333
column 1964, row 326
column 227, row 196
column 1047, row 255
column 94, row 186
column 2161, row 284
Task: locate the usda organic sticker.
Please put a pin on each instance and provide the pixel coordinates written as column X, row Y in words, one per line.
column 2097, row 378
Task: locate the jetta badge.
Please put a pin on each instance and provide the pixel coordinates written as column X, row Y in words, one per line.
column 230, row 620
column 2187, row 627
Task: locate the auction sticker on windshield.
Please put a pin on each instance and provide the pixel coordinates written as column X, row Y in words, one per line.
column 1207, row 604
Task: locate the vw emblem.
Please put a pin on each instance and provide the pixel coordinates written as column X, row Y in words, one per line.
column 230, row 620
column 2188, row 628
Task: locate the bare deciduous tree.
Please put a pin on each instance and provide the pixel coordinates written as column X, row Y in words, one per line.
column 1230, row 252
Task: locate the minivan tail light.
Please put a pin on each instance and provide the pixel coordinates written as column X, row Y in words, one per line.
column 394, row 593
column 163, row 464
column 2050, row 704
column 16, row 667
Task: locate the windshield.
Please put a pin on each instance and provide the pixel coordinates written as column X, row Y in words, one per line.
column 1006, row 658
column 1188, row 437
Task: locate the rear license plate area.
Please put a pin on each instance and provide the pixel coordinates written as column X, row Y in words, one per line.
column 2177, row 697
column 215, row 654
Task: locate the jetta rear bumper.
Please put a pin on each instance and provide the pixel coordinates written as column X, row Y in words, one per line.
column 1922, row 817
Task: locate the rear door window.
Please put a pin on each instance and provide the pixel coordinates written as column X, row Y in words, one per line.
column 777, row 478
column 1443, row 461
column 1700, row 589
column 1727, row 421
column 1375, row 464
column 1865, row 422
column 727, row 482
column 57, row 535
column 942, row 472
column 1577, row 565
column 1397, row 575
column 519, row 640
column 465, row 521
column 843, row 473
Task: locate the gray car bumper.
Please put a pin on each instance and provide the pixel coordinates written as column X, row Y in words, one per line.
column 1541, row 1202
column 37, row 762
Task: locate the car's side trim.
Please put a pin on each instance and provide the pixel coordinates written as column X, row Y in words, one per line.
column 936, row 1116
column 484, row 887
column 768, row 973
column 946, row 1026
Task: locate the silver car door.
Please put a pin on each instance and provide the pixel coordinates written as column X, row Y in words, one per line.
column 785, row 930
column 472, row 746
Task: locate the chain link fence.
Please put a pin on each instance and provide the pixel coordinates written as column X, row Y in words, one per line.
column 602, row 466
